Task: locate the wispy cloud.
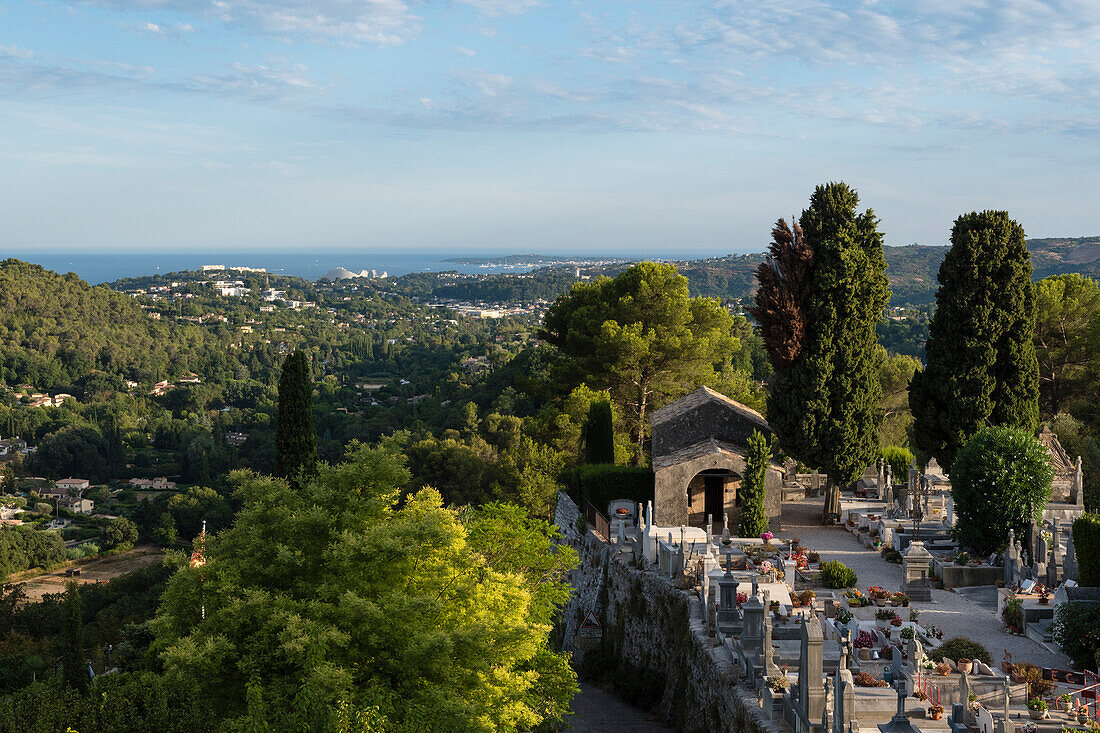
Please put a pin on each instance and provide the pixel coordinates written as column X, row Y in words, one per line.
column 379, row 22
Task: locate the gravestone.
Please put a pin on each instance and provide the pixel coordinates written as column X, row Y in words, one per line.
column 727, row 596
column 810, row 693
column 916, row 566
column 880, row 478
column 1070, row 571
column 1079, row 483
column 888, row 494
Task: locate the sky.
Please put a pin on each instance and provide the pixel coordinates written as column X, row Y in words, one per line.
column 503, row 126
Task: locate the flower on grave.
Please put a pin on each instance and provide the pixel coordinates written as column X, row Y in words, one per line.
column 766, row 536
column 1030, row 727
column 741, row 598
column 764, row 567
column 863, row 641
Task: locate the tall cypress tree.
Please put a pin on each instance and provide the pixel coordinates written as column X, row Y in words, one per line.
column 71, row 644
column 599, row 433
column 980, row 354
column 752, row 519
column 825, row 400
column 295, row 439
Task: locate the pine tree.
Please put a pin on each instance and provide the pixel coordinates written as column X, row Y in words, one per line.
column 825, row 399
column 295, row 439
column 980, row 355
column 71, row 644
column 752, row 519
column 599, row 433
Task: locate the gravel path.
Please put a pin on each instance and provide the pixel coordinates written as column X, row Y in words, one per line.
column 952, row 612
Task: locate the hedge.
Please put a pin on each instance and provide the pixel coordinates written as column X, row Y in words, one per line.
column 1077, row 631
column 603, row 483
column 1086, row 543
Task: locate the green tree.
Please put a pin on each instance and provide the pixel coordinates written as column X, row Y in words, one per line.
column 1000, row 481
column 295, row 439
column 752, row 519
column 74, row 669
column 335, row 596
column 1067, row 340
column 120, row 534
column 599, row 433
column 643, row 337
column 825, row 398
column 980, row 354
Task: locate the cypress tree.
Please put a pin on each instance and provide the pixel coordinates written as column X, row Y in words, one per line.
column 981, row 367
column 599, row 433
column 825, row 399
column 752, row 519
column 73, row 669
column 295, row 439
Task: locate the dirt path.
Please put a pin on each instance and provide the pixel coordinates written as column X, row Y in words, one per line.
column 595, row 710
column 91, row 571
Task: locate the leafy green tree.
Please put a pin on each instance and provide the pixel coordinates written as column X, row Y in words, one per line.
column 599, row 433
column 895, row 373
column 825, row 399
column 295, row 439
column 336, row 597
column 74, row 669
column 752, row 518
column 120, row 534
column 1000, row 481
column 1067, row 340
column 165, row 533
column 642, row 336
column 981, row 365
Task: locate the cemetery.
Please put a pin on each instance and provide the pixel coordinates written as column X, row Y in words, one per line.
column 784, row 636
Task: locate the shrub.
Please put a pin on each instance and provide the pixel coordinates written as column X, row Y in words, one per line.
column 961, row 648
column 1086, row 540
column 1033, row 676
column 899, row 459
column 996, row 476
column 1077, row 631
column 835, row 574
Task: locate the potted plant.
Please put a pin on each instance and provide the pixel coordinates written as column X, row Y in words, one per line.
column 779, row 682
column 919, row 694
column 935, row 711
column 1082, row 714
column 962, row 558
column 1044, row 595
column 774, row 606
column 901, row 598
column 908, row 633
column 1064, row 702
column 943, row 669
column 1030, row 727
column 1037, row 708
column 843, row 616
column 964, row 665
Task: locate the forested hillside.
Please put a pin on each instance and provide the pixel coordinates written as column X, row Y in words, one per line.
column 56, row 329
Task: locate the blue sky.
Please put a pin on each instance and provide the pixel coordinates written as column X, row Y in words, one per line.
column 536, row 125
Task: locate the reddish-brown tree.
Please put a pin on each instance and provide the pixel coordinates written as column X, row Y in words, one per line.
column 784, row 284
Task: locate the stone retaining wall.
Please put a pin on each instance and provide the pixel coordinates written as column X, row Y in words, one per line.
column 654, row 651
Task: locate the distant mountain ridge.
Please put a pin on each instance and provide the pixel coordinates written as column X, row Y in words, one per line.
column 912, row 269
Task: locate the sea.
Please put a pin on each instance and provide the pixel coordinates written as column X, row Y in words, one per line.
column 97, row 267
